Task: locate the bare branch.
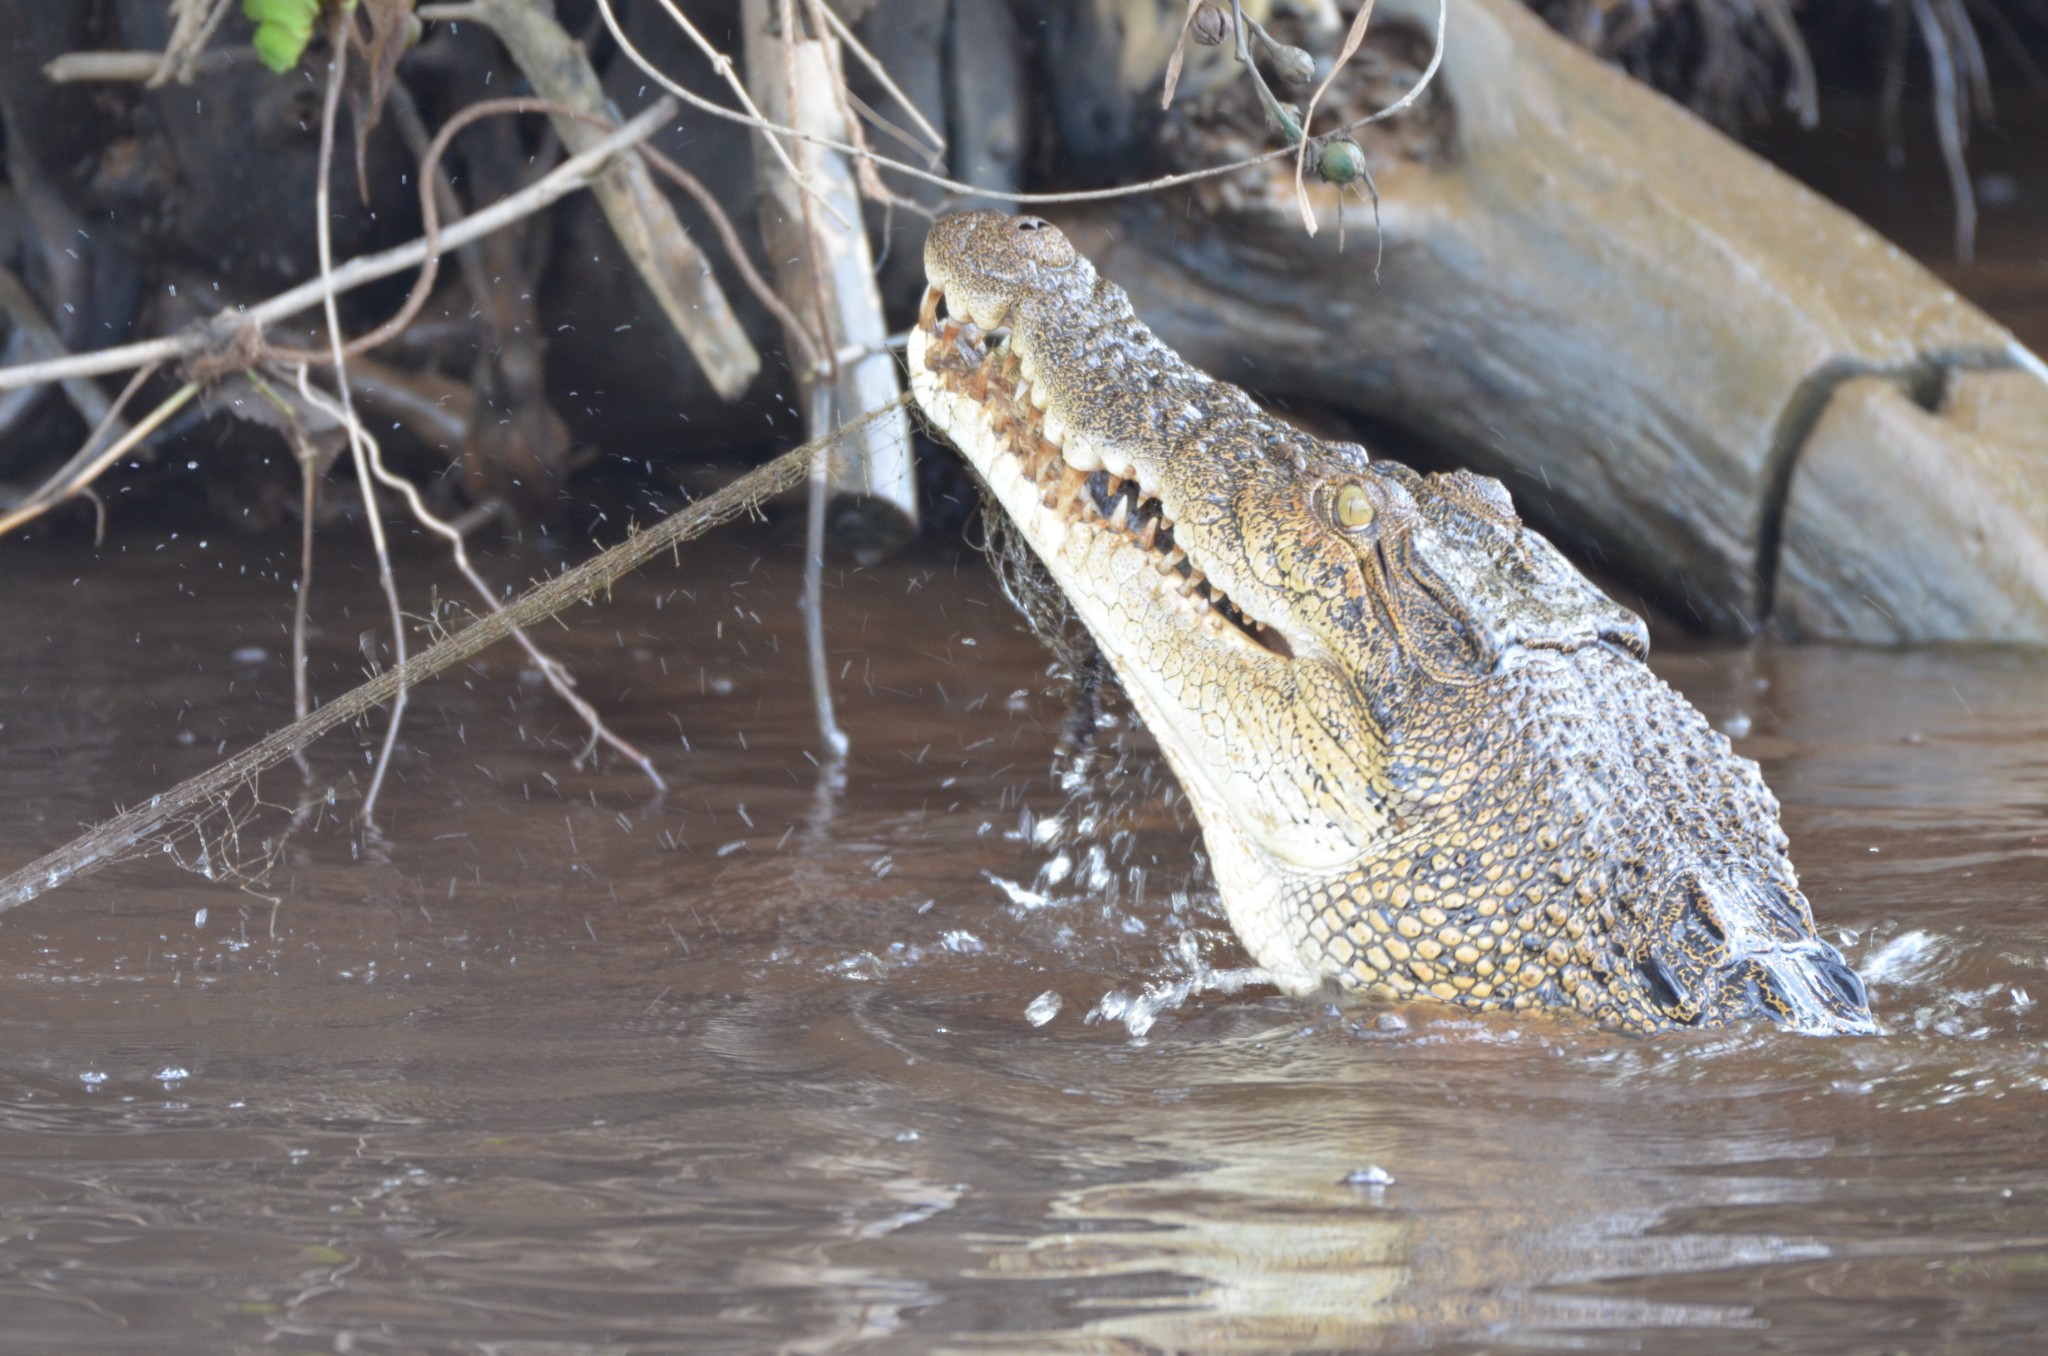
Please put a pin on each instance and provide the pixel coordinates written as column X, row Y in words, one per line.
column 572, row 174
column 73, row 68
column 323, row 235
column 967, row 190
column 123, row 834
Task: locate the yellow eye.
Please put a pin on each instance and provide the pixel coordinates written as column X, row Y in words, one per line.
column 1354, row 506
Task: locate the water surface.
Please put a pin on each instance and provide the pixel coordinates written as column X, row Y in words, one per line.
column 936, row 1053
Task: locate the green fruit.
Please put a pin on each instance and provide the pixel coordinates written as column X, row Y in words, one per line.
column 1341, row 162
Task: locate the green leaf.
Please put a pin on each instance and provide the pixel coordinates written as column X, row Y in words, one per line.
column 283, row 28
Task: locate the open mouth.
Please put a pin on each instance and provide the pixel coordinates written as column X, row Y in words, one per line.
column 982, row 366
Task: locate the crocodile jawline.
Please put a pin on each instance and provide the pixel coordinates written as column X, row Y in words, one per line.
column 980, row 366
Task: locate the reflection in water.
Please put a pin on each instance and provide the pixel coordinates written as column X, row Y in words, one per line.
column 933, row 1049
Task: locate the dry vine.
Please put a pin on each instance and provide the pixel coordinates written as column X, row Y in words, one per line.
column 184, row 805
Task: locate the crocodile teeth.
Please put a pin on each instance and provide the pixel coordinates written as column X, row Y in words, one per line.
column 1119, row 512
column 1071, row 481
column 984, row 382
column 1056, row 428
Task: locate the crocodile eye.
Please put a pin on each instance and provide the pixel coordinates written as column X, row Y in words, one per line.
column 1354, row 507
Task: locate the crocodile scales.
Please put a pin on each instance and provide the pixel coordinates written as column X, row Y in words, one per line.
column 1427, row 756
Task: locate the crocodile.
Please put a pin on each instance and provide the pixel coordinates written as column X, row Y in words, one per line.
column 1427, row 756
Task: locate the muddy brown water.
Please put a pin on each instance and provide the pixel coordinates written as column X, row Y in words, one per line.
column 941, row 1054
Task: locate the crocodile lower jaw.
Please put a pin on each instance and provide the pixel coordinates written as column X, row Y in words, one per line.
column 972, row 385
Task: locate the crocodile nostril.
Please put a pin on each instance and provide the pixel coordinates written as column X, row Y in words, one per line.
column 1843, row 982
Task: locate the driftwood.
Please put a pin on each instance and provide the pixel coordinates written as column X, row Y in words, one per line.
column 811, row 221
column 672, row 265
column 1639, row 326
column 1715, row 387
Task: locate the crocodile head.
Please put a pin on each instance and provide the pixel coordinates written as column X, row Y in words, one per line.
column 1427, row 756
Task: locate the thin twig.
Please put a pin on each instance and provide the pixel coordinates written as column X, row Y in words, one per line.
column 308, row 458
column 337, row 71
column 135, row 67
column 829, row 732
column 412, row 127
column 1352, row 40
column 1969, row 57
column 763, row 291
column 863, row 166
column 1948, row 124
column 77, row 477
column 937, row 151
column 722, row 63
column 1805, row 93
column 1436, row 60
column 572, row 174
column 37, row 337
column 123, row 834
column 430, row 222
column 955, row 186
column 551, row 668
column 196, row 22
column 823, row 386
column 870, row 115
column 1275, row 110
column 1178, row 57
column 431, row 170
